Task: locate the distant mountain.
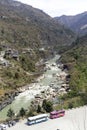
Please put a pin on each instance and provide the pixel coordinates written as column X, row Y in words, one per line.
column 77, row 23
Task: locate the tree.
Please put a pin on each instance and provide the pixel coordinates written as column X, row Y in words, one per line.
column 38, row 108
column 44, row 104
column 70, row 105
column 30, row 113
column 47, row 105
column 22, row 112
column 10, row 113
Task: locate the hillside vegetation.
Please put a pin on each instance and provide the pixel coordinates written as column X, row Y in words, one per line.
column 76, row 60
column 27, row 35
column 24, row 25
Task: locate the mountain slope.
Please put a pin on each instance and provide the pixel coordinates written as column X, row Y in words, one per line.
column 76, row 60
column 77, row 23
column 40, row 28
column 26, row 36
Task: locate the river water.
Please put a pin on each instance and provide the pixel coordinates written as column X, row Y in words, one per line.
column 43, row 83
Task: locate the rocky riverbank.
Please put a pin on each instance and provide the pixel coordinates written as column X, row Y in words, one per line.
column 48, row 86
column 56, row 87
column 9, row 98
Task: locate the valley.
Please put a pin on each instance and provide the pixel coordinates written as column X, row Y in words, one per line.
column 43, row 66
column 47, row 86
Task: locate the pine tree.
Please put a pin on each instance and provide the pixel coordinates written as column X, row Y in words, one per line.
column 10, row 113
column 22, row 112
column 38, row 109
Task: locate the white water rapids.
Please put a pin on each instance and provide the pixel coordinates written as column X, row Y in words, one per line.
column 24, row 98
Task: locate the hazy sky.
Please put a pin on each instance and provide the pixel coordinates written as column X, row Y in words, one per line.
column 59, row 7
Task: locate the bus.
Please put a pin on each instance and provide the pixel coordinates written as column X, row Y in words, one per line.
column 57, row 114
column 2, row 127
column 37, row 119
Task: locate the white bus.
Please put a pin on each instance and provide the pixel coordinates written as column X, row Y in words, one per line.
column 2, row 127
column 37, row 119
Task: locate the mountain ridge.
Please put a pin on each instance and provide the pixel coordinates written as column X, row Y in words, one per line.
column 76, row 23
column 37, row 19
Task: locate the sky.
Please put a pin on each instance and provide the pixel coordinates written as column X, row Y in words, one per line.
column 59, row 7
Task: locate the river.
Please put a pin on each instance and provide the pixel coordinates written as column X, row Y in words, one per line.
column 43, row 83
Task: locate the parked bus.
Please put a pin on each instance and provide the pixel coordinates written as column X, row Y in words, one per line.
column 37, row 119
column 57, row 114
column 2, row 127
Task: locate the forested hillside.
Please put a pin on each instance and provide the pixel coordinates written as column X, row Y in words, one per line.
column 29, row 26
column 76, row 61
